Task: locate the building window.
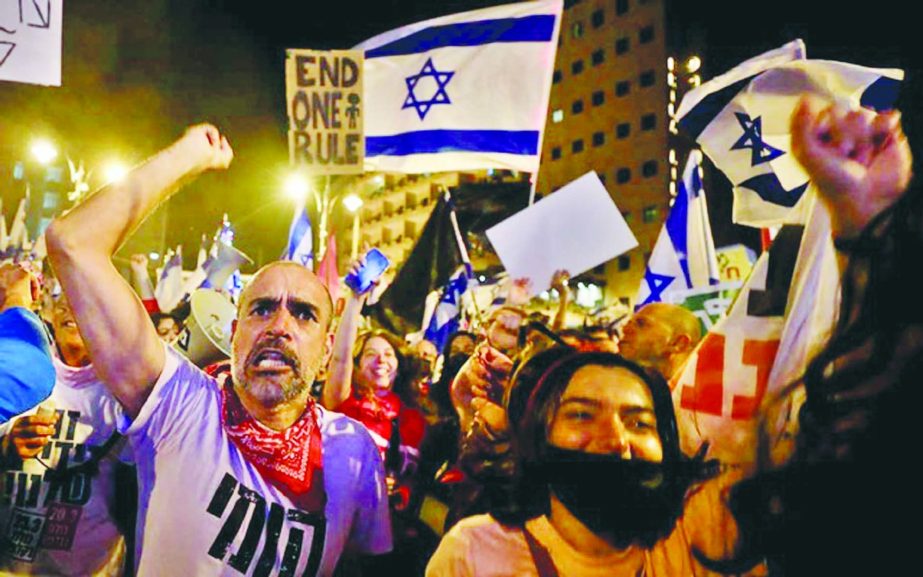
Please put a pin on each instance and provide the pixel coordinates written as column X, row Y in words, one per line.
column 646, row 34
column 621, row 7
column 576, row 146
column 576, row 67
column 649, row 121
column 599, row 97
column 622, row 45
column 622, row 87
column 577, row 30
column 623, row 130
column 599, row 138
column 626, row 215
column 54, row 174
column 19, row 170
column 557, row 116
column 646, row 79
column 598, row 57
column 602, row 177
column 577, row 107
column 649, row 169
column 556, row 153
column 50, row 201
column 598, row 18
column 624, row 262
column 557, row 77
column 651, row 213
column 622, row 175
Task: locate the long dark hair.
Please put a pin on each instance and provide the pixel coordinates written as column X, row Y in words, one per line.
column 530, row 440
column 850, row 475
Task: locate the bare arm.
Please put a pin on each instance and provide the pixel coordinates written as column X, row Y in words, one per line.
column 339, row 385
column 559, row 283
column 123, row 344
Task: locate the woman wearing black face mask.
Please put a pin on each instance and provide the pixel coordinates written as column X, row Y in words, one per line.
column 603, row 488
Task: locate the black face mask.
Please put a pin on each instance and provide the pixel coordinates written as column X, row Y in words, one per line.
column 628, row 501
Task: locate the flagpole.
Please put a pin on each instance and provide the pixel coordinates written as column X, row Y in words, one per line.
column 462, row 249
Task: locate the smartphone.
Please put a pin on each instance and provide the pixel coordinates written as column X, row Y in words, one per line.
column 375, row 265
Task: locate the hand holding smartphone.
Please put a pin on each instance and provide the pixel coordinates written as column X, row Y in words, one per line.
column 374, row 264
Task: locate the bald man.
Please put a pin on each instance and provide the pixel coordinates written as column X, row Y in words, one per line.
column 660, row 336
column 243, row 475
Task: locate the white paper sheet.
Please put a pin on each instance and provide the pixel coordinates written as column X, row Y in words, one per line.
column 576, row 228
column 30, row 41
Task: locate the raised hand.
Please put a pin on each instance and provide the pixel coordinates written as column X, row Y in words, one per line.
column 18, row 287
column 209, row 149
column 860, row 161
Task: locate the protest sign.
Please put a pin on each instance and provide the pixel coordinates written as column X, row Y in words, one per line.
column 576, row 228
column 30, row 41
column 324, row 104
column 735, row 262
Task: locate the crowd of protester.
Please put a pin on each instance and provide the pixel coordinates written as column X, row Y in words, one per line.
column 323, row 446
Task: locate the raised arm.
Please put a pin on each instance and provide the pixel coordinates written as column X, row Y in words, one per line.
column 123, row 344
column 339, row 384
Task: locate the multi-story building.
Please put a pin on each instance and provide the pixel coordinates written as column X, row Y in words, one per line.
column 608, row 113
column 612, row 100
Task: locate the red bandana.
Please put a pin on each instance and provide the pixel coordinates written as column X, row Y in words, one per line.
column 292, row 460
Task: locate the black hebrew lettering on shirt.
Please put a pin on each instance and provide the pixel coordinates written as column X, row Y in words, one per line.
column 47, row 507
column 266, row 520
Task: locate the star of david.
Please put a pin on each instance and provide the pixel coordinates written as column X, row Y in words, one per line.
column 656, row 283
column 752, row 138
column 422, row 105
column 305, row 259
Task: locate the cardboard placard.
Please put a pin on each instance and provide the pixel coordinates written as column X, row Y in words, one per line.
column 324, row 104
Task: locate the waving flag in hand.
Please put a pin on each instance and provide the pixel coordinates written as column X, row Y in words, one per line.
column 741, row 121
column 461, row 92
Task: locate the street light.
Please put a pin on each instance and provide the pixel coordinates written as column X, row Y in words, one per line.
column 114, row 171
column 353, row 203
column 297, row 188
column 693, row 64
column 44, row 151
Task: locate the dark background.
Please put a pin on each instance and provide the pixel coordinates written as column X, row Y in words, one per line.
column 136, row 73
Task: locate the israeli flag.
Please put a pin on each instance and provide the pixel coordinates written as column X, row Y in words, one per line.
column 169, row 291
column 300, row 247
column 465, row 91
column 446, row 316
column 684, row 256
column 741, row 120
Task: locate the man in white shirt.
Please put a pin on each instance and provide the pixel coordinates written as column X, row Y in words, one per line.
column 67, row 486
column 241, row 475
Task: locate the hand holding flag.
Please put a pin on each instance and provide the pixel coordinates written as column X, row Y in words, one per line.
column 741, row 120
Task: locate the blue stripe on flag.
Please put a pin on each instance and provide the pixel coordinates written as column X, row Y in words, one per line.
column 695, row 121
column 678, row 229
column 537, row 28
column 430, row 141
column 769, row 188
column 881, row 94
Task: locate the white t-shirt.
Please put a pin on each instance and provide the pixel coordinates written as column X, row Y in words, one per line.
column 65, row 526
column 204, row 510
